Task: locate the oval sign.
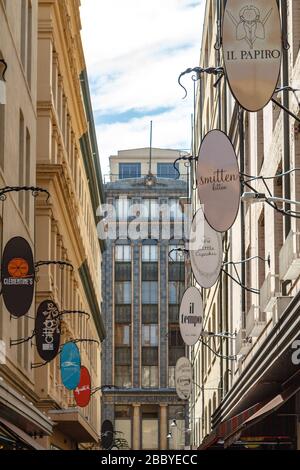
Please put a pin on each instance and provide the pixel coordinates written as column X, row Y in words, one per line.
column 17, row 276
column 206, row 261
column 218, row 180
column 252, row 50
column 47, row 330
column 70, row 363
column 82, row 392
column 191, row 316
column 183, row 378
column 107, row 434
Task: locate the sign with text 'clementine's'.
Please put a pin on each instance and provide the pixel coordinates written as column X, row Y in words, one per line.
column 252, row 50
column 17, row 276
column 218, row 181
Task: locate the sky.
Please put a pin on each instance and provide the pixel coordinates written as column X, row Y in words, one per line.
column 135, row 51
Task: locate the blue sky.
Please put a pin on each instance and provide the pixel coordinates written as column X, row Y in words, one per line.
column 135, row 50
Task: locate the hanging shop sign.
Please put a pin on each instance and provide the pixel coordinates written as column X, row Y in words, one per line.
column 191, row 316
column 70, row 364
column 107, row 434
column 218, row 180
column 82, row 392
column 206, row 261
column 183, row 378
column 252, row 50
column 17, row 276
column 47, row 330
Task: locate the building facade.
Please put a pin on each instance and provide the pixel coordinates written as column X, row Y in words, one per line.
column 141, row 287
column 253, row 401
column 48, row 108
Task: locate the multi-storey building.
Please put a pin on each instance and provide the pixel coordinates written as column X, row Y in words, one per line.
column 49, row 110
column 141, row 289
column 254, row 400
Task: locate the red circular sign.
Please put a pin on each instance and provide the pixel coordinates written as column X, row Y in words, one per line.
column 82, row 392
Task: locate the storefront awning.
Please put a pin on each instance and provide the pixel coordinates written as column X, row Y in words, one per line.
column 71, row 422
column 228, row 427
column 20, row 435
column 289, row 390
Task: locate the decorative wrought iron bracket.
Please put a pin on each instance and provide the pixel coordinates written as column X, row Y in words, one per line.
column 2, row 61
column 217, row 71
column 34, row 190
column 62, row 264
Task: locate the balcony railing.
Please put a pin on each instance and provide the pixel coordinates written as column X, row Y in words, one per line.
column 256, row 322
column 242, row 345
column 289, row 258
column 268, row 292
column 113, row 177
column 279, row 307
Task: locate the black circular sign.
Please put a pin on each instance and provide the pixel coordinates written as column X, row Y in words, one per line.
column 47, row 330
column 107, row 434
column 17, row 276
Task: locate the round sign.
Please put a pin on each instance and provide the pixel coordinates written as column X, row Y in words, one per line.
column 82, row 392
column 218, row 180
column 252, row 50
column 47, row 330
column 70, row 363
column 191, row 316
column 107, row 434
column 183, row 378
column 17, row 276
column 206, row 261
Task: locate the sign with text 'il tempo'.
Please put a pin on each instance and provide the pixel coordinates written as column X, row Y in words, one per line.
column 47, row 330
column 183, row 378
column 82, row 392
column 70, row 365
column 206, row 260
column 17, row 276
column 218, row 180
column 252, row 50
column 191, row 316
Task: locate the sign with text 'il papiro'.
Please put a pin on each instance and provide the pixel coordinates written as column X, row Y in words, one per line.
column 218, row 181
column 206, row 259
column 47, row 330
column 191, row 316
column 17, row 276
column 183, row 378
column 252, row 50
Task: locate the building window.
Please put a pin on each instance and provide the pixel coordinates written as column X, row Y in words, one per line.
column 150, row 209
column 122, row 207
column 150, row 253
column 123, row 376
column 171, row 373
column 123, row 253
column 123, row 292
column 122, row 335
column 167, row 170
column 129, row 170
column 150, row 335
column 149, row 292
column 175, row 209
column 176, row 291
column 149, row 376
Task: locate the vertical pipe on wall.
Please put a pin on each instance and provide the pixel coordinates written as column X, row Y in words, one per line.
column 242, row 170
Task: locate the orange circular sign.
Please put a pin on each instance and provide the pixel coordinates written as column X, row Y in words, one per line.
column 18, row 268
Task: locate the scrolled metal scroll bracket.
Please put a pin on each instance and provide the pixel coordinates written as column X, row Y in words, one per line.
column 34, row 190
column 187, row 163
column 61, row 264
column 2, row 61
column 200, row 70
column 80, row 312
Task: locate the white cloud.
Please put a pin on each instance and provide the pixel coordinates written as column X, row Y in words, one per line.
column 135, row 50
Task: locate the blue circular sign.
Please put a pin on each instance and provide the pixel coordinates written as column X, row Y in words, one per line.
column 70, row 364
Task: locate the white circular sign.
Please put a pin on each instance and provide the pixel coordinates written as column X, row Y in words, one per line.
column 206, row 261
column 183, row 378
column 252, row 50
column 191, row 316
column 218, row 181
